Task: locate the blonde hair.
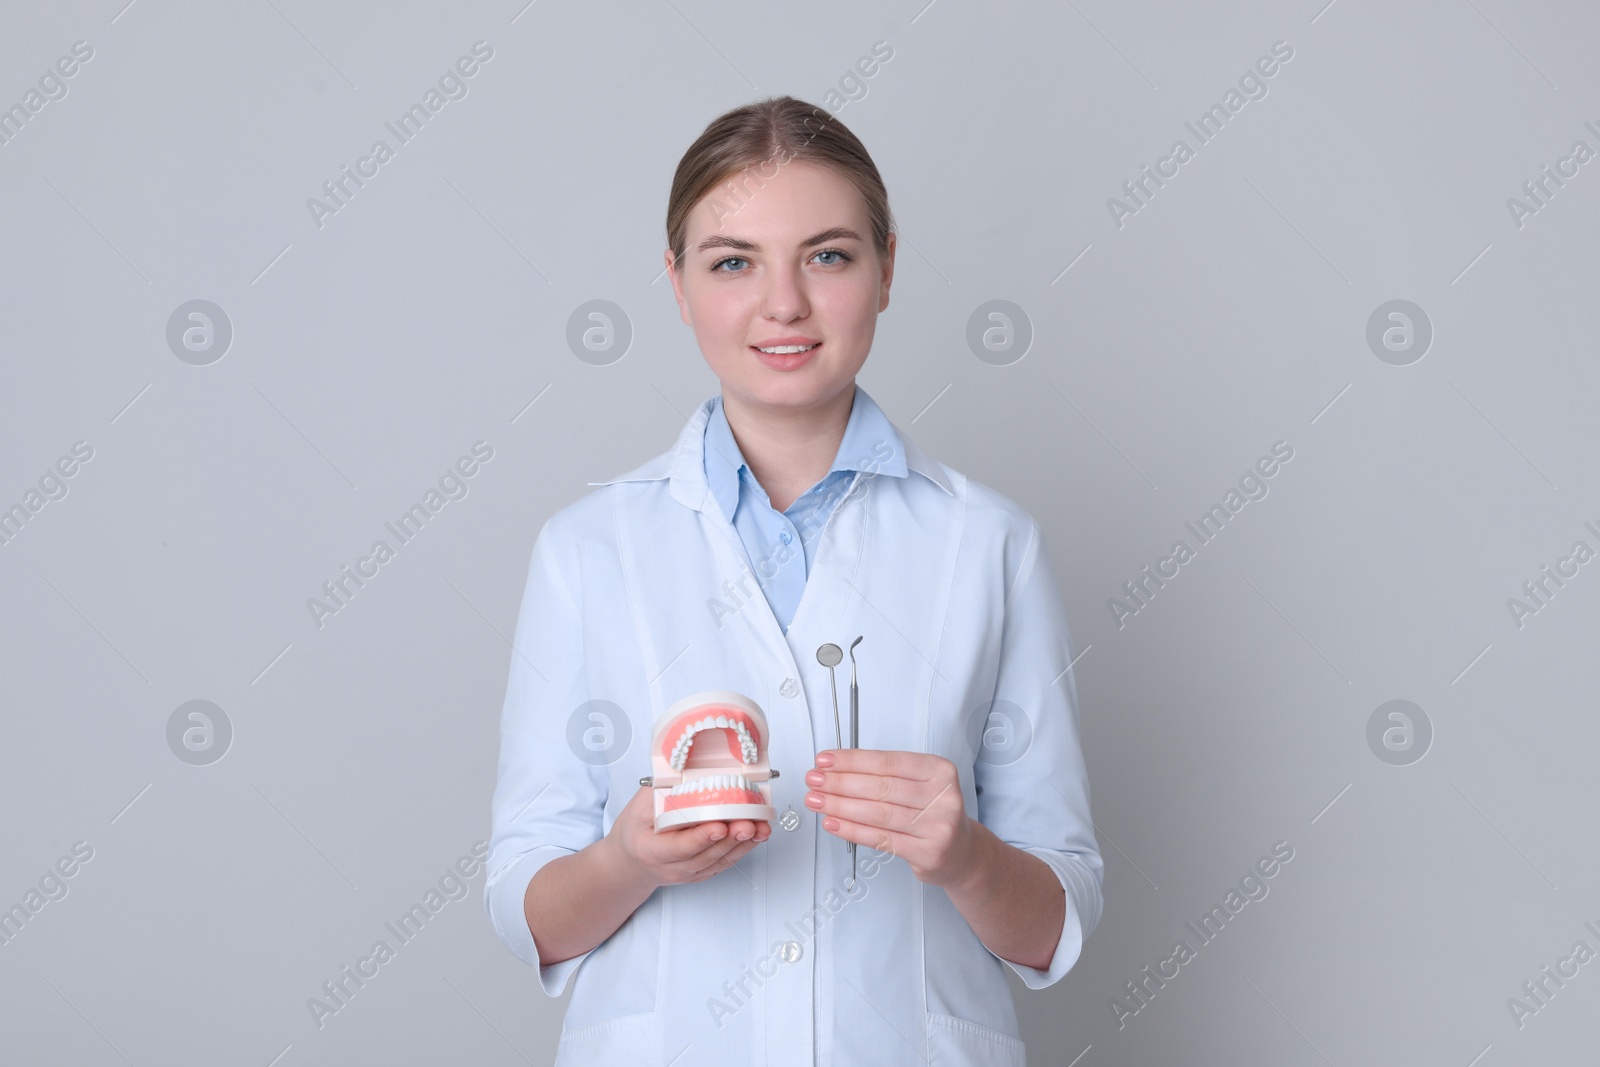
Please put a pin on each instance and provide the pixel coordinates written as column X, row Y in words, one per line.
column 763, row 136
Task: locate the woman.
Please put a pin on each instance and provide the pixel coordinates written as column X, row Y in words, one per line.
column 792, row 513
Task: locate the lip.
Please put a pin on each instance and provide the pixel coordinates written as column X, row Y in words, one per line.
column 792, row 361
column 778, row 342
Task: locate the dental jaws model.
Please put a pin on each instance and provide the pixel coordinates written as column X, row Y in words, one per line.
column 709, row 755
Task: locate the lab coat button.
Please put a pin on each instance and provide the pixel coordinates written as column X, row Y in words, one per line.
column 789, row 688
column 791, row 951
column 789, row 819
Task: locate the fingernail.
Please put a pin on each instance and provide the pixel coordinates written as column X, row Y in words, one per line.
column 815, row 778
column 824, row 759
column 744, row 837
column 717, row 835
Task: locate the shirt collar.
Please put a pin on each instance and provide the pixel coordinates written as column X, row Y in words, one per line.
column 684, row 466
column 869, row 443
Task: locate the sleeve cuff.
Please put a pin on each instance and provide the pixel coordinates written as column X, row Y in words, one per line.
column 1070, row 946
column 504, row 897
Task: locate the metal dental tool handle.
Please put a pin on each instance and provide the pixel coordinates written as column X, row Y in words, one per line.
column 650, row 779
column 855, row 699
column 855, row 735
column 829, row 655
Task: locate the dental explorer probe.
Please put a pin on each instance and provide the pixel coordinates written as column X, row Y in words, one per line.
column 855, row 737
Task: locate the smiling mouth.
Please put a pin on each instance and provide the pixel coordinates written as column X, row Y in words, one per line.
column 786, row 350
column 709, row 754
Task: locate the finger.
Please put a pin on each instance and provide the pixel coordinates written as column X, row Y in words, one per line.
column 897, row 818
column 912, row 766
column 716, row 859
column 881, row 787
column 893, row 798
column 693, row 846
column 680, row 843
column 688, row 864
column 873, row 837
column 726, row 846
column 705, row 849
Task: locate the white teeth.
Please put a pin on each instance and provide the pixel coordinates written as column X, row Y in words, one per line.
column 713, row 781
column 784, row 350
column 747, row 744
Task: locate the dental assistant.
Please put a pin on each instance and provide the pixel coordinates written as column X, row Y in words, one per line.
column 791, row 512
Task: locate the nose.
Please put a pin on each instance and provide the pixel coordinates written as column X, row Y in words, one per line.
column 785, row 297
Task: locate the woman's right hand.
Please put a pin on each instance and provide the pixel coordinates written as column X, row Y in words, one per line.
column 684, row 853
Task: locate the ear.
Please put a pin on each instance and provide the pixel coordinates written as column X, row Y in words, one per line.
column 888, row 272
column 677, row 289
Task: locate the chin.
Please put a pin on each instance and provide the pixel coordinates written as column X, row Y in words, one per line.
column 791, row 392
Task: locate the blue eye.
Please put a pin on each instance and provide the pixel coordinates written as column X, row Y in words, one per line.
column 844, row 257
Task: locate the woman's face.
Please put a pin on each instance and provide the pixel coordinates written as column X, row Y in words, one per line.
column 790, row 263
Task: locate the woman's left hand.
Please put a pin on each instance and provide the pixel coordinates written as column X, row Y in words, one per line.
column 906, row 804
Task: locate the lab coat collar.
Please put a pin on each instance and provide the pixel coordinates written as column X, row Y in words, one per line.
column 684, row 464
column 867, row 431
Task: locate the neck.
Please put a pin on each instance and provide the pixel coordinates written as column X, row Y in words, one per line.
column 789, row 449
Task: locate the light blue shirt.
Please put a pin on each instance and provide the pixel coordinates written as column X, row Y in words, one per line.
column 640, row 594
column 779, row 546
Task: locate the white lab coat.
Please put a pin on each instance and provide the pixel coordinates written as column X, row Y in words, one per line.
column 633, row 600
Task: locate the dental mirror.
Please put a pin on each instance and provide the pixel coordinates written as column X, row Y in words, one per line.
column 830, row 655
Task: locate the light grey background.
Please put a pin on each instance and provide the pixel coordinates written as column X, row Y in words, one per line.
column 369, row 353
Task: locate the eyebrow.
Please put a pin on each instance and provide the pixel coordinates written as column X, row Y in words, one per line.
column 835, row 233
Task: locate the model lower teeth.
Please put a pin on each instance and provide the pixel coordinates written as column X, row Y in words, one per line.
column 713, row 781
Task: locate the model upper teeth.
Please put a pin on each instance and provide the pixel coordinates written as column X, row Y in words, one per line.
column 714, row 781
column 680, row 751
column 786, row 350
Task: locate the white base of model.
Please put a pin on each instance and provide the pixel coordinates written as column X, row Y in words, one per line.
column 665, row 820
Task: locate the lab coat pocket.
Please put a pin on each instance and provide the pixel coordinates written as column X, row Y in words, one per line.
column 627, row 1039
column 954, row 1042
